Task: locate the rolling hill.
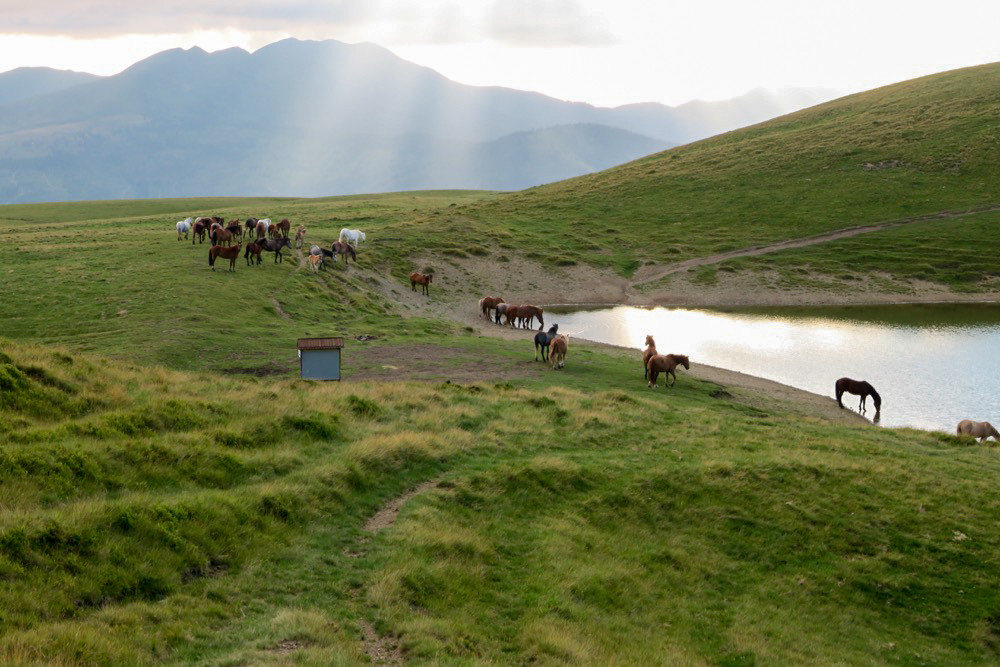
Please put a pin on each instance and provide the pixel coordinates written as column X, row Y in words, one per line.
column 319, row 118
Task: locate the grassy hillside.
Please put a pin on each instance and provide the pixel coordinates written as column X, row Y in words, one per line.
column 912, row 148
column 151, row 515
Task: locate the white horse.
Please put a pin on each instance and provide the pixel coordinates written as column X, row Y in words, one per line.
column 183, row 227
column 352, row 236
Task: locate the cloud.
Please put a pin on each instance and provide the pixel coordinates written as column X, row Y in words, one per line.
column 546, row 24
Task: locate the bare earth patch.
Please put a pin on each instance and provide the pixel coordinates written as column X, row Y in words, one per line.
column 386, row 516
column 380, row 650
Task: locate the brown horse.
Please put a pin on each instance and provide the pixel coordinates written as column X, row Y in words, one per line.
column 235, row 227
column 488, row 303
column 422, row 279
column 981, row 430
column 222, row 236
column 262, row 229
column 231, row 253
column 199, row 229
column 523, row 315
column 284, row 226
column 253, row 250
column 665, row 363
column 251, row 227
column 646, row 354
column 860, row 388
column 344, row 250
column 557, row 351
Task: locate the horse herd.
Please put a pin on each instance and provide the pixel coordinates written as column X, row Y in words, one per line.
column 265, row 236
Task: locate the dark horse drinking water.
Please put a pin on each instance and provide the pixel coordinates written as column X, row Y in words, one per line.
column 543, row 339
column 859, row 388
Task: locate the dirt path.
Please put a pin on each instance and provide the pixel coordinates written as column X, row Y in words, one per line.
column 652, row 273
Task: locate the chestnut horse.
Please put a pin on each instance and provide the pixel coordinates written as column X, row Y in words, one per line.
column 231, row 253
column 220, row 235
column 859, row 388
column 557, row 351
column 252, row 251
column 665, row 363
column 344, row 249
column 199, row 229
column 488, row 303
column 981, row 430
column 422, row 279
column 646, row 354
column 284, row 227
column 524, row 315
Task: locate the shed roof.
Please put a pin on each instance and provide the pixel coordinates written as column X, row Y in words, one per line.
column 320, row 343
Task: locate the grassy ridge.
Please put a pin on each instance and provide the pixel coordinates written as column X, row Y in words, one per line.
column 143, row 524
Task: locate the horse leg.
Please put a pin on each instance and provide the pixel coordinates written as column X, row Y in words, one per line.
column 673, row 375
column 653, row 374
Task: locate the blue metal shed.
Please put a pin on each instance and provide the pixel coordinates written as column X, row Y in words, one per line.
column 319, row 358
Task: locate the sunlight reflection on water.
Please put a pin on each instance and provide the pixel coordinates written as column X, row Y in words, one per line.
column 930, row 375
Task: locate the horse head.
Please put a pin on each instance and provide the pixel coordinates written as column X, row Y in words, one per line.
column 683, row 361
column 649, row 342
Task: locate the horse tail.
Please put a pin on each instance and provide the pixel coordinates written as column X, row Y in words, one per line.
column 211, row 257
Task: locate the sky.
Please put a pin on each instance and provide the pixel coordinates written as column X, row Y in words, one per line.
column 605, row 52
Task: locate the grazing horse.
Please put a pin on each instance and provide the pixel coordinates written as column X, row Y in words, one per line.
column 488, row 303
column 557, row 351
column 253, row 251
column 183, row 227
column 323, row 254
column 315, row 262
column 542, row 341
column 501, row 309
column 231, row 253
column 345, row 250
column 422, row 279
column 665, row 363
column 523, row 315
column 352, row 236
column 981, row 430
column 646, row 354
column 199, row 229
column 235, row 227
column 300, row 236
column 275, row 246
column 251, row 226
column 860, row 388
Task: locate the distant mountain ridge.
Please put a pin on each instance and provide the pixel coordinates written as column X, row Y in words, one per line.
column 315, row 118
column 27, row 82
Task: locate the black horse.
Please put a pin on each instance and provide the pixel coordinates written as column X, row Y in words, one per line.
column 542, row 339
column 859, row 388
column 275, row 246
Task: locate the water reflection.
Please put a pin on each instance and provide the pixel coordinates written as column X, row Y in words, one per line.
column 933, row 365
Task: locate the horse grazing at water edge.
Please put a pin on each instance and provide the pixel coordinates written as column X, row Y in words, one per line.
column 543, row 339
column 231, row 253
column 666, row 364
column 557, row 351
column 488, row 303
column 422, row 279
column 859, row 388
column 523, row 316
column 981, row 430
column 646, row 354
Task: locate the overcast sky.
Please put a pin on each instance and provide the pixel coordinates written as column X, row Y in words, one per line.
column 606, row 52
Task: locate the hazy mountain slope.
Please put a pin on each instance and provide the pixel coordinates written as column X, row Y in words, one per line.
column 26, row 82
column 920, row 146
column 316, row 117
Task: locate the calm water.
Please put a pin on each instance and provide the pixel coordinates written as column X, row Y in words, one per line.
column 932, row 364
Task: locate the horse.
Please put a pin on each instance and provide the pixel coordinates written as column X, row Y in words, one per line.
column 252, row 251
column 323, row 254
column 501, row 309
column 231, row 253
column 646, row 354
column 352, row 236
column 488, row 303
column 251, row 226
column 235, row 227
column 220, row 235
column 542, row 341
column 860, row 388
column 981, row 430
column 422, row 279
column 557, row 351
column 523, row 315
column 284, row 227
column 665, row 363
column 315, row 262
column 275, row 246
column 199, row 229
column 183, row 227
column 345, row 250
column 262, row 227
column 300, row 236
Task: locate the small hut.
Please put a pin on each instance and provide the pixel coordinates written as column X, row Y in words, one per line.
column 319, row 358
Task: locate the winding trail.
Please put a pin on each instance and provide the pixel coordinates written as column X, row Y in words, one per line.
column 656, row 272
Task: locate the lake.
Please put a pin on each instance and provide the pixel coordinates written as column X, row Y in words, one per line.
column 933, row 364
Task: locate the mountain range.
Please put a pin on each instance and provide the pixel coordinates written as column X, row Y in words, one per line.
column 303, row 118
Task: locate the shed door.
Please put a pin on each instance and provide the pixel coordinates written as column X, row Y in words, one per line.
column 320, row 364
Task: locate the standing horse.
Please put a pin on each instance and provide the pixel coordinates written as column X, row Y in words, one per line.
column 275, row 246
column 284, row 227
column 300, row 236
column 543, row 339
column 422, row 279
column 235, row 227
column 252, row 251
column 352, row 236
column 859, row 388
column 501, row 309
column 646, row 354
column 251, row 227
column 315, row 262
column 557, row 351
column 199, row 229
column 183, row 227
column 488, row 303
column 324, row 255
column 220, row 235
column 262, row 227
column 344, row 250
column 981, row 430
column 231, row 253
column 666, row 364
